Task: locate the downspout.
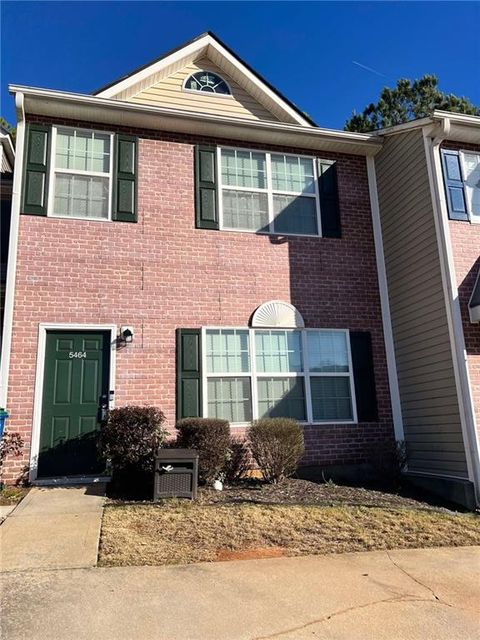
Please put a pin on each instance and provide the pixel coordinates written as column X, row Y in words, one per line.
column 12, row 250
column 454, row 318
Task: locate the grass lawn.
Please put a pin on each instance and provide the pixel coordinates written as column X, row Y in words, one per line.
column 12, row 495
column 296, row 518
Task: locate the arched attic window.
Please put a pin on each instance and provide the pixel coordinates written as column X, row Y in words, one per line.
column 277, row 313
column 207, row 82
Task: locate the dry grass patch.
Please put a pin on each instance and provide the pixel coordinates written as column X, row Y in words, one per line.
column 12, row 495
column 181, row 533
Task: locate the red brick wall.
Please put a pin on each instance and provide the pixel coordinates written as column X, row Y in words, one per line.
column 466, row 254
column 162, row 273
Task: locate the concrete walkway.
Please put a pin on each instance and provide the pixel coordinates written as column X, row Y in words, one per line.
column 53, row 528
column 430, row 594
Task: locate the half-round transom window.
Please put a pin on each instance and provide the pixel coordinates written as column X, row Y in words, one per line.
column 207, row 82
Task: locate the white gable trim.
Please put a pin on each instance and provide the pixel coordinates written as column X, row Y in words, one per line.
column 205, row 46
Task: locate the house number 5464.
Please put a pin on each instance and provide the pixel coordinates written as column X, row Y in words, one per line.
column 77, row 354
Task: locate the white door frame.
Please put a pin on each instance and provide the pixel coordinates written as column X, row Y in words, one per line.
column 37, row 405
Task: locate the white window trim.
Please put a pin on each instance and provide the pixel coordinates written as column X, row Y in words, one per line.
column 269, row 191
column 207, row 93
column 474, row 219
column 305, row 374
column 53, row 171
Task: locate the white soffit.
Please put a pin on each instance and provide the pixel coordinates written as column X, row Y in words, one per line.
column 91, row 109
column 277, row 313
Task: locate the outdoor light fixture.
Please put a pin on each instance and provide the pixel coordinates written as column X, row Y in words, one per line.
column 126, row 334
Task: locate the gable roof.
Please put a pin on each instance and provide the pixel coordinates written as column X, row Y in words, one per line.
column 207, row 45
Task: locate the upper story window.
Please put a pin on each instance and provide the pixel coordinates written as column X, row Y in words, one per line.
column 207, row 82
column 461, row 170
column 268, row 192
column 81, row 174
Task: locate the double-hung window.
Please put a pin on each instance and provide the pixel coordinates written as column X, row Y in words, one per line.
column 301, row 374
column 81, row 174
column 268, row 192
column 461, row 170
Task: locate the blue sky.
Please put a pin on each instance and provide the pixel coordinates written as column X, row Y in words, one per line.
column 311, row 51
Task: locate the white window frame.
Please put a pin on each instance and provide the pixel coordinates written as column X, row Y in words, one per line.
column 269, row 191
column 207, row 94
column 474, row 219
column 253, row 375
column 93, row 174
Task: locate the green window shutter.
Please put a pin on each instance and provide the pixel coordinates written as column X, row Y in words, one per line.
column 189, row 373
column 329, row 205
column 37, row 160
column 206, row 207
column 125, row 179
column 364, row 376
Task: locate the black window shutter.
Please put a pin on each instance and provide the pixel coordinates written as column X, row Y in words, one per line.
column 37, row 159
column 452, row 177
column 189, row 373
column 125, row 179
column 206, row 208
column 328, row 192
column 364, row 376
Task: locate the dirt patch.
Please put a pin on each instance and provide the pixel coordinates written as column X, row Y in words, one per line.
column 297, row 518
column 250, row 554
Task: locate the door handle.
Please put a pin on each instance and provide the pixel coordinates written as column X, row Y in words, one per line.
column 103, row 408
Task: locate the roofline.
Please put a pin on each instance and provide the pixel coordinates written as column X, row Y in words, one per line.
column 148, row 64
column 368, row 143
column 7, row 144
column 461, row 119
column 231, row 52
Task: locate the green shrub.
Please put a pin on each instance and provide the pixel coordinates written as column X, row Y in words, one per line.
column 238, row 459
column 277, row 446
column 130, row 437
column 211, row 438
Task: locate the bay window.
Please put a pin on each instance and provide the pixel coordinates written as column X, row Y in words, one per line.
column 268, row 192
column 302, row 374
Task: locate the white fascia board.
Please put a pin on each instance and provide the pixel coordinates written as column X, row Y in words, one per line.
column 185, row 52
column 455, row 126
column 457, row 118
column 7, row 145
column 401, row 128
column 94, row 109
column 190, row 51
column 258, row 83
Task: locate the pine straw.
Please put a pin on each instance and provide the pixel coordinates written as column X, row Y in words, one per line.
column 182, row 532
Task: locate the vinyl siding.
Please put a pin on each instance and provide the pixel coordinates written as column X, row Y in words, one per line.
column 169, row 93
column 422, row 343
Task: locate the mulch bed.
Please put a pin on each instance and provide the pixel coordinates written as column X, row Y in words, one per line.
column 304, row 492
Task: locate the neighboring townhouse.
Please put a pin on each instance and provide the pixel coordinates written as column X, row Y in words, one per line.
column 428, row 177
column 187, row 238
column 7, row 159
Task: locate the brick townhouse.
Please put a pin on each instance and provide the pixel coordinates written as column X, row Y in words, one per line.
column 186, row 237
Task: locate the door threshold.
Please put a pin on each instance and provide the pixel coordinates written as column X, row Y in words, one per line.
column 61, row 481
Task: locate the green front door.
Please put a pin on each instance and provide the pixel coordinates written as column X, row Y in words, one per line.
column 76, row 385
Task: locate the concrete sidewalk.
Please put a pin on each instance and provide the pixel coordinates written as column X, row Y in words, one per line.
column 53, row 528
column 397, row 595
